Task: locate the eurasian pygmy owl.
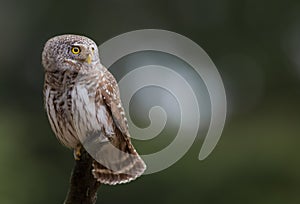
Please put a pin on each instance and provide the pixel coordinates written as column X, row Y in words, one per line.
column 83, row 105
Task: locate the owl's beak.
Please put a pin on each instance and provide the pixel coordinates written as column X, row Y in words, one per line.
column 89, row 58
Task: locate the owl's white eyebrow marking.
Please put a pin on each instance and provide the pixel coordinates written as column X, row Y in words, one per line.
column 77, row 44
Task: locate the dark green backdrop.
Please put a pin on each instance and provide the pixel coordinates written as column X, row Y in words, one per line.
column 255, row 45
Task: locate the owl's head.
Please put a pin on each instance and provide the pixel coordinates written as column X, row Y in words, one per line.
column 69, row 52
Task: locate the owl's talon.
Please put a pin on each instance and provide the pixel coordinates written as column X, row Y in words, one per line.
column 77, row 153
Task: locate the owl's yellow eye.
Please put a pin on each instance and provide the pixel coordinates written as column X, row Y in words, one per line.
column 75, row 50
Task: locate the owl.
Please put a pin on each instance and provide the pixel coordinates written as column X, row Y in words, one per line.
column 83, row 105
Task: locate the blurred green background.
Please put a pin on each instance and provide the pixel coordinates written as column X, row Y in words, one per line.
column 254, row 44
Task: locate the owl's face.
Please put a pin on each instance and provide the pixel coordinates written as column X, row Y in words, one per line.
column 69, row 52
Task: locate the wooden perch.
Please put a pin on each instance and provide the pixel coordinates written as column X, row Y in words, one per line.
column 83, row 185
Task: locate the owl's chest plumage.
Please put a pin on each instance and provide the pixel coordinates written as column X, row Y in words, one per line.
column 76, row 108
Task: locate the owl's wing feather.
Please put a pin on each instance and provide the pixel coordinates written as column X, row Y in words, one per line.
column 118, row 161
column 111, row 97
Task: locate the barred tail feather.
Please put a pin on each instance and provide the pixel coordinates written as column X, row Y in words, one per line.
column 116, row 160
column 129, row 170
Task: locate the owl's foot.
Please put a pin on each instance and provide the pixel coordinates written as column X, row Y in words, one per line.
column 77, row 152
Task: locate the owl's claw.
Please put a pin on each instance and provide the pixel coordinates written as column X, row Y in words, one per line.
column 77, row 152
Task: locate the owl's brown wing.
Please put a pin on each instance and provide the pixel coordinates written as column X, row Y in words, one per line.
column 120, row 163
column 111, row 97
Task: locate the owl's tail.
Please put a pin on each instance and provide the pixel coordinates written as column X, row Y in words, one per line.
column 116, row 160
column 127, row 169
